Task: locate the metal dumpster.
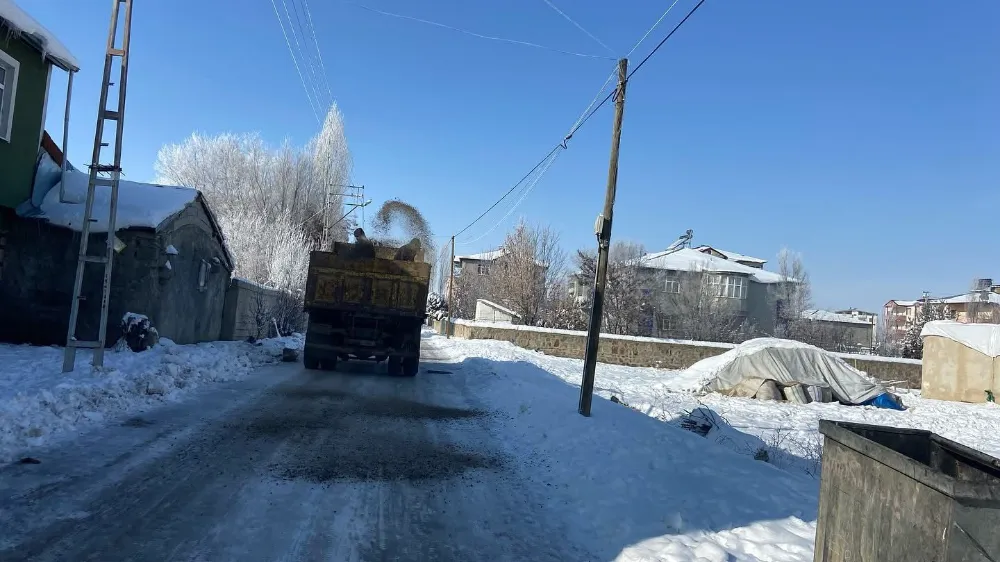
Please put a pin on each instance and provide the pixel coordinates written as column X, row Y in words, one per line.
column 905, row 495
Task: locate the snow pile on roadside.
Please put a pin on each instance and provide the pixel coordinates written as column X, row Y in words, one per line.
column 789, row 433
column 38, row 402
column 635, row 488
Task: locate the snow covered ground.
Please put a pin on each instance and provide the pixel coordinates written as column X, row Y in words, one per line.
column 482, row 456
column 687, row 496
column 789, row 432
column 39, row 403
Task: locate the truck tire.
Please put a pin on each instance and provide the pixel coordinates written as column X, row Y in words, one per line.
column 309, row 362
column 330, row 363
column 410, row 366
column 394, row 365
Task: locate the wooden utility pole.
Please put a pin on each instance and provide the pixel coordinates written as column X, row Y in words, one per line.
column 451, row 287
column 603, row 231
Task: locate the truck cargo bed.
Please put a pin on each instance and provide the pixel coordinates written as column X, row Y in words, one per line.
column 365, row 308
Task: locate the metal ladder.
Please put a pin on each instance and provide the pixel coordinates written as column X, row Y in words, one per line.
column 111, row 180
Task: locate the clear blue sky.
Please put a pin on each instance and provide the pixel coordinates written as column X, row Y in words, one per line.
column 865, row 135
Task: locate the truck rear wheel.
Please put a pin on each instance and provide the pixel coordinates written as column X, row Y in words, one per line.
column 330, row 363
column 410, row 366
column 393, row 365
column 309, row 362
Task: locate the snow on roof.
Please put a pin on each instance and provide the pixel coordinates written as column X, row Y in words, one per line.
column 984, row 338
column 484, row 256
column 503, row 309
column 957, row 299
column 732, row 255
column 140, row 205
column 688, row 259
column 45, row 40
column 827, row 316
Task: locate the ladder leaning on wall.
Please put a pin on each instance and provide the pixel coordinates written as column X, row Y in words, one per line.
column 111, row 175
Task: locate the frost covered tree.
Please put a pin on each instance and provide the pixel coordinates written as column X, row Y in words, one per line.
column 623, row 294
column 273, row 204
column 437, row 307
column 927, row 310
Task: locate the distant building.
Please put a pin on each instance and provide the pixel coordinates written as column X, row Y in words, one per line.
column 975, row 306
column 487, row 311
column 870, row 318
column 837, row 331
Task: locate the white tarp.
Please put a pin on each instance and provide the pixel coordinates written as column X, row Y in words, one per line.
column 984, row 338
column 743, row 370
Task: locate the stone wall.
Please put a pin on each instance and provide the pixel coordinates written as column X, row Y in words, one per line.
column 651, row 352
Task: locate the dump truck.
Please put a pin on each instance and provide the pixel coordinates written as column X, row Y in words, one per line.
column 365, row 308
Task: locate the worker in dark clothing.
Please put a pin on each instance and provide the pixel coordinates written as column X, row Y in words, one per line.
column 408, row 252
column 363, row 247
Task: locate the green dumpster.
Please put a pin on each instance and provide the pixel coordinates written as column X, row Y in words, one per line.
column 905, row 495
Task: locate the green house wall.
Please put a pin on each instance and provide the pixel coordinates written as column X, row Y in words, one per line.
column 18, row 157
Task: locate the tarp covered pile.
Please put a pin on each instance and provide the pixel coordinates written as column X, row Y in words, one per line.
column 772, row 368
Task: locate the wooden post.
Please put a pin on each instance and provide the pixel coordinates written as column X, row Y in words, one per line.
column 603, row 231
column 451, row 287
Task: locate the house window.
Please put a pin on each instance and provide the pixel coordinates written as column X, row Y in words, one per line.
column 483, row 268
column 666, row 323
column 8, row 86
column 729, row 286
column 673, row 284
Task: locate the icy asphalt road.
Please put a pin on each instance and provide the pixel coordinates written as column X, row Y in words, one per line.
column 291, row 465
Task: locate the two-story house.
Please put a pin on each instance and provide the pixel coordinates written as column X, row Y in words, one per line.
column 700, row 281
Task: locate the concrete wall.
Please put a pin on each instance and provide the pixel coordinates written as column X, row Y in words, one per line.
column 952, row 371
column 244, row 300
column 649, row 352
column 192, row 292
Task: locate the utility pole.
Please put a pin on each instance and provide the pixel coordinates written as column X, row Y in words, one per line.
column 451, row 287
column 603, row 230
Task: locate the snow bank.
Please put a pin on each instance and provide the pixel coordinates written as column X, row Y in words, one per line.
column 38, row 402
column 140, row 205
column 671, row 494
column 26, row 25
column 634, row 488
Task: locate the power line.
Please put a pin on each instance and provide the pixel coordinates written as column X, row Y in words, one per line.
column 664, row 40
column 295, row 62
column 303, row 17
column 319, row 53
column 311, row 69
column 474, row 34
column 581, row 122
column 650, row 30
column 511, row 190
column 527, row 190
column 578, row 26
